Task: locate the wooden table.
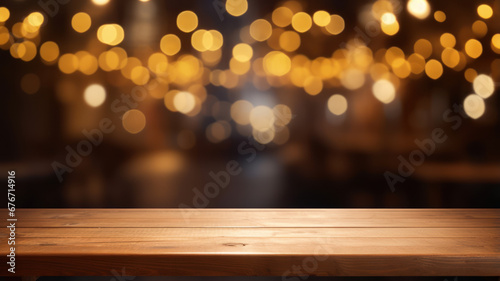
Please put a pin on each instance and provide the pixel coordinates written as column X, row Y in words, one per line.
column 277, row 242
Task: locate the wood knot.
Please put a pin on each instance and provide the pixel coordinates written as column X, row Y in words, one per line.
column 235, row 244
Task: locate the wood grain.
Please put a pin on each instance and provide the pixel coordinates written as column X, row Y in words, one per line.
column 279, row 242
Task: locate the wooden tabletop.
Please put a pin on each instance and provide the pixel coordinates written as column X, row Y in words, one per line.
column 235, row 242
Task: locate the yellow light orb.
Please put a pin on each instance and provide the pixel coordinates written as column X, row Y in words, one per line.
column 301, row 22
column 450, row 57
column 485, row 11
column 242, row 52
column 473, row 48
column 240, row 112
column 447, row 40
column 337, row 104
column 110, row 34
column 474, row 106
column 170, row 44
column 439, row 16
column 423, row 47
column 384, row 91
column 277, row 63
column 4, row 14
column 433, row 69
column 262, row 118
column 68, row 63
column 187, row 21
column 94, row 95
column 484, row 86
column 81, row 22
column 134, row 121
column 100, row 2
column 236, row 8
column 261, row 30
column 419, row 8
column 282, row 16
column 321, row 18
column 289, row 41
column 336, row 25
column 184, row 102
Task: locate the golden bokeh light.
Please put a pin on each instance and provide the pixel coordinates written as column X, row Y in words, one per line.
column 433, row 69
column 470, row 74
column 262, row 118
column 264, row 136
column 417, row 63
column 29, row 52
column 240, row 111
column 187, row 21
column 301, row 22
column 423, row 47
column 313, row 85
column 140, row 75
column 479, row 28
column 158, row 63
column 49, row 52
column 261, row 30
column 439, row 16
column 495, row 43
column 100, row 2
column 110, row 34
column 336, row 25
column 384, row 91
column 170, row 44
column 282, row 16
column 418, row 8
column 236, row 8
column 321, row 18
column 242, row 52
column 473, row 48
column 68, row 63
column 184, row 102
column 4, row 14
column 94, row 95
column 35, row 19
column 87, row 63
column 277, row 63
column 352, row 78
column 289, row 41
column 485, row 11
column 474, row 106
column 81, row 22
column 484, row 86
column 337, row 104
column 447, row 40
column 450, row 57
column 134, row 121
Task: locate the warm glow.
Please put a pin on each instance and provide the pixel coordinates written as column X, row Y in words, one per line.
column 242, row 52
column 110, row 34
column 301, row 22
column 419, row 8
column 262, row 118
column 277, row 63
column 100, row 2
column 260, row 30
column 170, row 44
column 473, row 48
column 4, row 14
column 384, row 91
column 187, row 21
column 336, row 25
column 485, row 11
column 94, row 95
column 337, row 104
column 236, row 8
column 474, row 106
column 321, row 18
column 240, row 112
column 81, row 22
column 282, row 16
column 433, row 69
column 134, row 121
column 484, row 86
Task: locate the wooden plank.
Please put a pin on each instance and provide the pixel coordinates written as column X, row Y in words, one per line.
column 227, row 242
column 255, row 232
column 258, row 265
column 457, row 246
column 149, row 222
column 253, row 213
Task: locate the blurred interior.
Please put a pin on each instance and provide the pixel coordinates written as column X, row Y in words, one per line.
column 112, row 103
